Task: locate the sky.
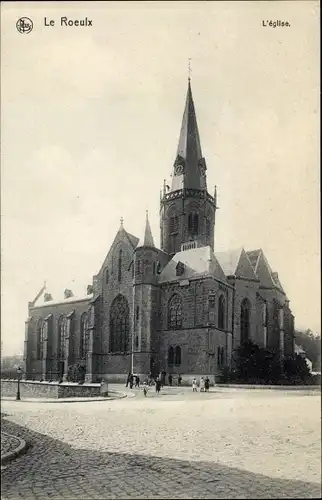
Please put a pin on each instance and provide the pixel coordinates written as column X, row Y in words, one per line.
column 90, row 120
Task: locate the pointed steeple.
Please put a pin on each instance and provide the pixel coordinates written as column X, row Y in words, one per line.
column 190, row 166
column 147, row 240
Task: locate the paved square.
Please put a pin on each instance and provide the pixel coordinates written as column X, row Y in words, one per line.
column 225, row 444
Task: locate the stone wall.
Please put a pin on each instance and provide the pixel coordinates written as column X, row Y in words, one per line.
column 34, row 389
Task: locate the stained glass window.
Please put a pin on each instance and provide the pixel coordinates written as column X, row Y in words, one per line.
column 175, row 312
column 119, row 324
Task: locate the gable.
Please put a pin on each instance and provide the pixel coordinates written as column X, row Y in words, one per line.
column 244, row 268
column 229, row 260
column 264, row 272
column 122, row 240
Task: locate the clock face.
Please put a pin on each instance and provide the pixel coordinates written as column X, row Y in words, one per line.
column 202, row 170
column 178, row 170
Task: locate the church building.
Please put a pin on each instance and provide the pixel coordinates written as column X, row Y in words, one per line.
column 181, row 308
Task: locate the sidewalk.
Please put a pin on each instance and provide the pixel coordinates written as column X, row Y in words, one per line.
column 11, row 447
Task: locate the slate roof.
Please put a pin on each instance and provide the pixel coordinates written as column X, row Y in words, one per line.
column 229, row 260
column 189, row 153
column 147, row 239
column 197, row 262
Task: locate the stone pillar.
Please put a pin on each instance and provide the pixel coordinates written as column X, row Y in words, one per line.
column 89, row 357
column 90, row 343
column 281, row 328
column 68, row 343
column 45, row 351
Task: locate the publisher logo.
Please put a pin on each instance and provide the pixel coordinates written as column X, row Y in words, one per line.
column 24, row 25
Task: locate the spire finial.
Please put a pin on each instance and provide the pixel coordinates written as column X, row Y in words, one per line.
column 121, row 220
column 147, row 214
column 189, row 69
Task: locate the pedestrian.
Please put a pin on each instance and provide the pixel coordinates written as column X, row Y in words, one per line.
column 179, row 379
column 157, row 385
column 145, row 388
column 170, row 380
column 202, row 384
column 207, row 384
column 137, row 381
column 131, row 381
column 128, row 379
column 194, row 384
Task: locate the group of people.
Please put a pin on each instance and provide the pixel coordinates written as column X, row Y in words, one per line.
column 159, row 381
column 204, row 384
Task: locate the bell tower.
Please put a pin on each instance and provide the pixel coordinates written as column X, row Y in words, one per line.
column 187, row 210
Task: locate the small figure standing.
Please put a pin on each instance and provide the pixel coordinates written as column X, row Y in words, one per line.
column 145, row 388
column 179, row 379
column 131, row 381
column 137, row 381
column 207, row 384
column 170, row 380
column 128, row 379
column 202, row 384
column 157, row 385
column 194, row 385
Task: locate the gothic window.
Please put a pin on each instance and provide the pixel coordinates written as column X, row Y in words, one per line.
column 193, row 223
column 170, row 356
column 154, row 267
column 83, row 336
column 208, row 227
column 175, row 312
column 158, row 267
column 119, row 324
column 62, row 333
column 120, row 266
column 221, row 312
column 40, row 338
column 244, row 321
column 177, row 356
column 220, row 356
column 106, row 276
column 174, row 224
column 136, row 342
column 137, row 313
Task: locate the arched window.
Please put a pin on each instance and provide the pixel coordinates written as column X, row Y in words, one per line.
column 193, row 223
column 62, row 331
column 158, row 267
column 174, row 224
column 170, row 356
column 83, row 350
column 221, row 312
column 208, row 227
column 175, row 312
column 119, row 324
column 153, row 269
column 106, row 276
column 120, row 266
column 136, row 342
column 177, row 356
column 137, row 313
column 244, row 320
column 40, row 338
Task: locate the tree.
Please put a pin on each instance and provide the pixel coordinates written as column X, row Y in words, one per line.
column 311, row 344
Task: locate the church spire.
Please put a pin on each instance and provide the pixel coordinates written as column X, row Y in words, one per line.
column 190, row 166
column 147, row 240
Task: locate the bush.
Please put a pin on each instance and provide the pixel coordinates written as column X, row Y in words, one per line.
column 76, row 373
column 296, row 370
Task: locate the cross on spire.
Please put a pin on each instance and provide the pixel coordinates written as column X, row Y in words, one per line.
column 189, row 69
column 121, row 220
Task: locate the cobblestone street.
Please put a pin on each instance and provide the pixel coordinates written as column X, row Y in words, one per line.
column 225, row 444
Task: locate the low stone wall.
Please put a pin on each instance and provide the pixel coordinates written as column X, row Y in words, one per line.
column 35, row 389
column 272, row 387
